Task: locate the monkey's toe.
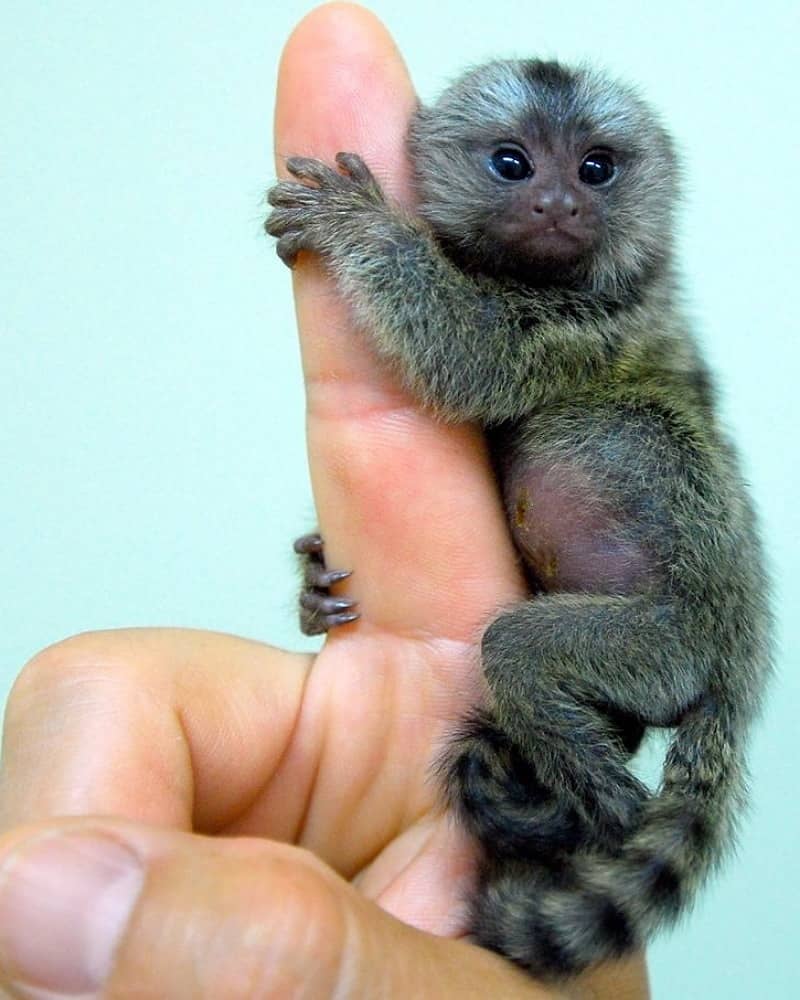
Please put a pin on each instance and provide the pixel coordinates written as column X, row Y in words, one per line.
column 327, row 605
column 320, row 578
column 311, row 543
column 325, row 611
column 321, row 611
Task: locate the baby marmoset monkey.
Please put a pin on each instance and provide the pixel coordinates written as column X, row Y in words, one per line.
column 534, row 292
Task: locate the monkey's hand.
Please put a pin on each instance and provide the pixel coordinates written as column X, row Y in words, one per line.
column 314, row 214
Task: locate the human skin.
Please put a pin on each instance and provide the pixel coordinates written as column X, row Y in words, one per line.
column 262, row 823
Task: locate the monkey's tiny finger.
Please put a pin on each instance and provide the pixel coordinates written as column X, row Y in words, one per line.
column 276, row 195
column 281, row 221
column 287, row 194
column 274, row 224
column 287, row 248
column 309, row 169
column 306, row 544
column 355, row 167
column 318, row 576
column 314, row 601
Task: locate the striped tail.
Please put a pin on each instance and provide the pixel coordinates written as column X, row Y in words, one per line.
column 557, row 918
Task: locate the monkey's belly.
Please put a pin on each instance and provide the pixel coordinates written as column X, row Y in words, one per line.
column 569, row 535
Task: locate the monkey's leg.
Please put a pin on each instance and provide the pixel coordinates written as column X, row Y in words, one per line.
column 555, row 666
column 319, row 609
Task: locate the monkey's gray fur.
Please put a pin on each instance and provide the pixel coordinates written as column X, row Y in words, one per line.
column 534, row 292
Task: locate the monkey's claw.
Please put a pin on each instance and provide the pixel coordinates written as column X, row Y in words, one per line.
column 329, row 611
column 321, row 611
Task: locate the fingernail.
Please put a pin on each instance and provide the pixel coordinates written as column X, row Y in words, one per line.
column 65, row 900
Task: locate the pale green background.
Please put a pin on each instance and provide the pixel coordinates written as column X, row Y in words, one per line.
column 151, row 428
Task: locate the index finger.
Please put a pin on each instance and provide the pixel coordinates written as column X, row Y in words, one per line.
column 172, row 727
column 403, row 499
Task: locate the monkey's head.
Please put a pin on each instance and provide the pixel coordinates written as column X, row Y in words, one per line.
column 547, row 174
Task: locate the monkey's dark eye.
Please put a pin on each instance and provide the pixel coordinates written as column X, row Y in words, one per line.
column 511, row 163
column 597, row 168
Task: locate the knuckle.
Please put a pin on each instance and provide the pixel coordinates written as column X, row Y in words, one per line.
column 82, row 656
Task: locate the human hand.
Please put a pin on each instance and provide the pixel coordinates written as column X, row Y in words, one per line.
column 251, row 823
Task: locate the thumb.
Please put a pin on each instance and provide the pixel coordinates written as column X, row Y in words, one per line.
column 97, row 908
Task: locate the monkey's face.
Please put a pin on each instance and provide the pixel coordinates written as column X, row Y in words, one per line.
column 546, row 174
column 550, row 200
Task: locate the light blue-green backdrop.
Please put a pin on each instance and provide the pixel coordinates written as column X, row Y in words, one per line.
column 151, row 429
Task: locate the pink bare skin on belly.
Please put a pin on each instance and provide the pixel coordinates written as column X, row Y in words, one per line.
column 569, row 536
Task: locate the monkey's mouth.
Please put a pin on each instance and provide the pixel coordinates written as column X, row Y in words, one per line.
column 556, row 242
column 546, row 254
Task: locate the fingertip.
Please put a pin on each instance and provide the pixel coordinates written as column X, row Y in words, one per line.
column 343, row 85
column 333, row 23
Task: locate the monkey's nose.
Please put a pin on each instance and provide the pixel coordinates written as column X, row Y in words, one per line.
column 555, row 206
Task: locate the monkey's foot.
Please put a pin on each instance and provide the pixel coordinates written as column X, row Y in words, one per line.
column 319, row 609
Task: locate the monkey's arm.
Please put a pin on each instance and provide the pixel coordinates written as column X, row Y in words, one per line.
column 474, row 349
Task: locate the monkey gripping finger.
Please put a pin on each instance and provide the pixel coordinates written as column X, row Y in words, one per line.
column 354, row 172
column 305, row 215
column 321, row 611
